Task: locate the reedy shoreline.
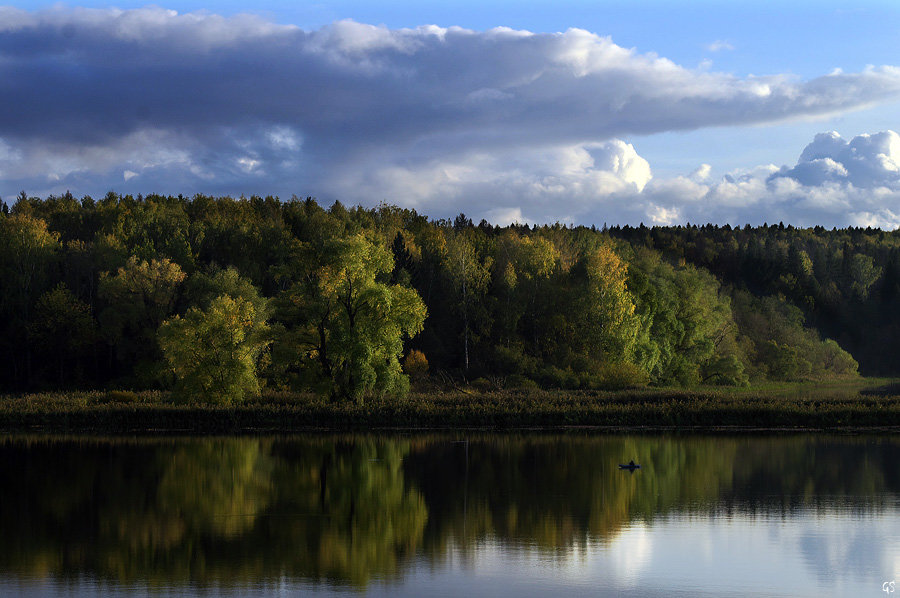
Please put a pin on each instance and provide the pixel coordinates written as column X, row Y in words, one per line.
column 859, row 404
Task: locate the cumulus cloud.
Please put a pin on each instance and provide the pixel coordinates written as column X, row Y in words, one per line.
column 520, row 125
column 835, row 182
column 866, row 161
column 611, row 183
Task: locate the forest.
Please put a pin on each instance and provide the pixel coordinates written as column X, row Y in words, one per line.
column 219, row 298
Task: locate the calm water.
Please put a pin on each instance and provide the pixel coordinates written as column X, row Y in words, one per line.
column 483, row 515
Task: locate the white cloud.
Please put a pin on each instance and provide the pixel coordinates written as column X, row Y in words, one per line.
column 659, row 215
column 719, row 45
column 612, row 183
column 248, row 164
column 866, row 161
column 548, row 184
column 620, row 158
column 835, row 183
column 701, row 173
column 507, row 216
column 284, row 138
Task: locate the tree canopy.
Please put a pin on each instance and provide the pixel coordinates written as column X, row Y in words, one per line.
column 151, row 290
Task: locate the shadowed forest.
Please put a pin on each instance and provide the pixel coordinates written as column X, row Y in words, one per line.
column 217, row 298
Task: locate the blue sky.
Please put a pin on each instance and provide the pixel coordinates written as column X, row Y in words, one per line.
column 660, row 112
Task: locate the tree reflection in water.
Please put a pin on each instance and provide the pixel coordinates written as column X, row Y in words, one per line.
column 349, row 509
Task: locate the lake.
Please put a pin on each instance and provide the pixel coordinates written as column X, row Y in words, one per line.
column 472, row 514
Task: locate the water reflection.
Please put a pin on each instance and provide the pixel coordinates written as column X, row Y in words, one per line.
column 374, row 511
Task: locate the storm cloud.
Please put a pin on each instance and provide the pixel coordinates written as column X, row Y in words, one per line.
column 499, row 123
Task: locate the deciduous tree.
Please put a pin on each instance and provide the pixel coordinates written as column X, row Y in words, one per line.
column 213, row 352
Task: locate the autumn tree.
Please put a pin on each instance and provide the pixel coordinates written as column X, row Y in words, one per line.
column 602, row 309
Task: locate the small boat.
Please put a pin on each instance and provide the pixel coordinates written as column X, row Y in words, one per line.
column 631, row 466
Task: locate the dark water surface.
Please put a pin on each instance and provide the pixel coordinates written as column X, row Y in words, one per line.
column 476, row 515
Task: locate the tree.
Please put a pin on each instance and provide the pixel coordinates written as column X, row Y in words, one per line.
column 213, row 353
column 469, row 276
column 139, row 297
column 415, row 365
column 863, row 274
column 62, row 329
column 28, row 253
column 202, row 288
column 346, row 326
column 522, row 268
column 603, row 309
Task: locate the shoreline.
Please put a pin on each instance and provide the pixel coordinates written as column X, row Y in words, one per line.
column 852, row 406
column 547, row 430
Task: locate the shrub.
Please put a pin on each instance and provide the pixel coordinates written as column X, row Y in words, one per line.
column 511, row 360
column 415, row 365
column 520, row 382
column 618, row 375
column 554, row 377
column 121, row 396
column 481, row 384
column 726, row 370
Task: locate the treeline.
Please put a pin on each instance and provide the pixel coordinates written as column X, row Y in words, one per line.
column 218, row 297
column 844, row 282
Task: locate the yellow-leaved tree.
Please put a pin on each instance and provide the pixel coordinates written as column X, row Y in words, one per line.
column 604, row 322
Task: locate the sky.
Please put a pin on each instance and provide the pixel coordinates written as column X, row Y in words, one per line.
column 580, row 112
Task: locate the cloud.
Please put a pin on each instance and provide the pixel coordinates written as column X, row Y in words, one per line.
column 701, row 173
column 866, row 161
column 719, row 45
column 512, row 123
column 611, row 183
column 561, row 183
column 835, row 182
column 507, row 216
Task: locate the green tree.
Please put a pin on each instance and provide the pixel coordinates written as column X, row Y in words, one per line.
column 785, row 349
column 213, row 353
column 687, row 333
column 469, row 276
column 863, row 274
column 28, row 254
column 202, row 288
column 522, row 269
column 139, row 297
column 62, row 330
column 345, row 325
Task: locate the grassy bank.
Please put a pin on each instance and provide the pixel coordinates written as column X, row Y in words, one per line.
column 862, row 403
